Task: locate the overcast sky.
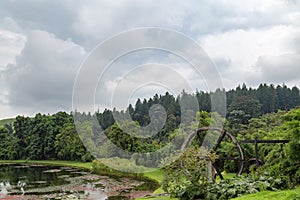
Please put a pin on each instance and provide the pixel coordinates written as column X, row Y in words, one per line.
column 43, row 44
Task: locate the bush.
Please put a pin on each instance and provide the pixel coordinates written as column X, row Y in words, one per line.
column 234, row 187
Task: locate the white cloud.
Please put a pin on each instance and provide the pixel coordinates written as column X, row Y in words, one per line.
column 98, row 20
column 236, row 52
column 11, row 44
column 43, row 76
column 246, row 40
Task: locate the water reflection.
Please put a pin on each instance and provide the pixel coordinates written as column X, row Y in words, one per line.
column 49, row 182
column 36, row 181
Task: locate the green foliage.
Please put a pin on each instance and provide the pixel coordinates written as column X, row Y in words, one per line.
column 273, row 195
column 243, row 108
column 42, row 137
column 243, row 104
column 9, row 144
column 279, row 159
column 203, row 119
column 105, row 119
column 227, row 149
column 125, row 136
column 68, row 145
column 292, row 163
column 7, row 121
column 55, row 137
column 231, row 188
column 284, row 160
column 188, row 171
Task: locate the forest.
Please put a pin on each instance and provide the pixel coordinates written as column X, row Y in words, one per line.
column 55, row 137
column 267, row 112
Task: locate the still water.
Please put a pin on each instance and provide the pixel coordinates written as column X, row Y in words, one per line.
column 49, row 182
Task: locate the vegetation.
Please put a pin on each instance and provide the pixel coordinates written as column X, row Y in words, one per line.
column 100, row 168
column 267, row 112
column 42, row 137
column 280, row 171
column 55, row 136
column 278, row 195
column 156, row 174
column 6, row 121
column 188, row 173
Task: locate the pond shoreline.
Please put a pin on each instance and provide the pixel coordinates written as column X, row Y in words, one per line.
column 136, row 193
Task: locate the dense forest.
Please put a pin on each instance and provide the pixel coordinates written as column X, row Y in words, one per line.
column 242, row 103
column 55, row 136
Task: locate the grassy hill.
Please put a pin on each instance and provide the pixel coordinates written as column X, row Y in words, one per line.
column 6, row 121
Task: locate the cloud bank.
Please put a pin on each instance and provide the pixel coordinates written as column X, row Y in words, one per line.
column 43, row 43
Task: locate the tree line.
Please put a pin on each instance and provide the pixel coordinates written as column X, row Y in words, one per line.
column 42, row 137
column 243, row 103
column 55, row 136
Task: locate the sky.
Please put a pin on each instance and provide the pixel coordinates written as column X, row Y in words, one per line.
column 43, row 45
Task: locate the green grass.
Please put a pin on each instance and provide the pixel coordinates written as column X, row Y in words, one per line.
column 6, row 121
column 278, row 195
column 157, row 175
column 157, row 198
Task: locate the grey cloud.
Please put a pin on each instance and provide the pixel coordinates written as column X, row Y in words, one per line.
column 278, row 69
column 221, row 16
column 10, row 45
column 89, row 22
column 294, row 41
column 51, row 16
column 43, row 75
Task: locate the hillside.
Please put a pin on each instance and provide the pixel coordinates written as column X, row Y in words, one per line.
column 6, row 121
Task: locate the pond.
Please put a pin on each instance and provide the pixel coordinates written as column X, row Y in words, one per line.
column 51, row 182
